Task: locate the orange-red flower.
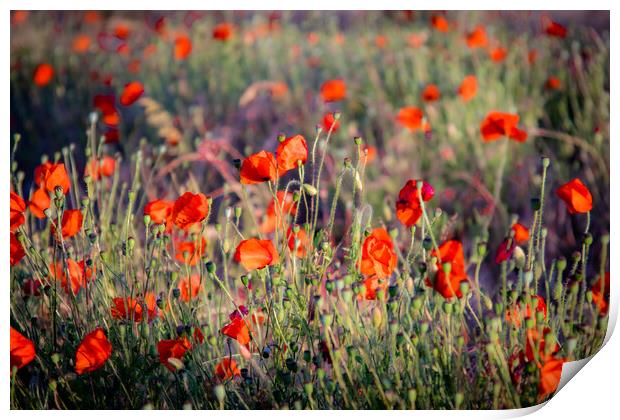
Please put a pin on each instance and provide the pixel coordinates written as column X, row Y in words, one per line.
column 227, row 369
column 378, row 256
column 182, row 47
column 431, row 93
column 521, row 233
column 515, row 316
column 17, row 250
column 372, row 285
column 500, row 124
column 553, row 83
column 550, row 375
column 133, row 309
column 43, row 74
column 189, row 210
column 290, row 153
column 303, row 242
column 131, row 93
column 22, row 350
column 576, row 196
column 71, row 223
column 498, row 54
column 440, row 23
column 553, row 28
column 259, row 167
column 190, row 287
column 159, row 210
column 329, row 122
column 477, row 38
column 93, row 352
column 410, row 117
column 223, row 31
column 97, row 168
column 238, row 330
column 81, row 43
column 256, row 253
column 448, row 284
column 333, row 90
column 39, row 202
column 408, row 210
column 107, row 105
column 188, row 253
column 52, row 175
column 76, row 275
column 172, row 349
column 600, row 294
column 287, row 206
column 468, row 88
column 18, row 207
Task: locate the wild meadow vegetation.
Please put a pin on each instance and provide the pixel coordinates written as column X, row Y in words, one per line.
column 305, row 210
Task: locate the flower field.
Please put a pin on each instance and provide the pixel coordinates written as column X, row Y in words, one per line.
column 306, row 210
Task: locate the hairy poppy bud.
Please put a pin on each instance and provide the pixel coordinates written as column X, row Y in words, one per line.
column 211, row 267
column 220, row 392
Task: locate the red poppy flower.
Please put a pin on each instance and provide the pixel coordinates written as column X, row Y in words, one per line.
column 333, row 90
column 477, row 38
column 554, row 29
column 16, row 250
column 97, row 168
column 369, row 153
column 172, row 349
column 31, row 287
column 53, row 175
column 18, row 207
column 440, row 23
column 431, row 93
column 521, row 233
column 39, row 202
column 505, row 250
column 303, row 242
column 93, row 352
column 381, row 41
column 131, row 93
column 290, row 152
column 190, row 287
column 550, row 375
column 182, row 47
column 516, row 317
column 255, row 254
column 259, row 167
column 222, row 31
column 448, row 285
column 498, row 54
column 81, row 43
column 287, row 207
column 76, row 275
column 122, row 31
column 378, row 256
column 576, row 196
column 189, row 210
column 410, row 117
column 227, row 369
column 159, row 210
column 238, row 330
column 22, row 350
column 468, row 88
column 553, row 83
column 132, row 309
column 188, row 253
column 43, row 74
column 329, row 122
column 532, row 55
column 500, row 124
column 71, row 223
column 600, row 294
column 408, row 210
column 106, row 104
column 372, row 285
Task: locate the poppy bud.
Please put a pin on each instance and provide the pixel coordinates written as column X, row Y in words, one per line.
column 211, row 267
column 237, row 163
column 347, row 294
column 447, row 268
column 281, row 137
column 310, row 190
column 266, row 352
column 447, row 307
column 427, row 244
column 176, row 292
column 464, row 288
column 535, row 204
column 571, row 345
column 589, row 296
column 357, row 140
column 518, row 255
column 424, row 327
column 220, row 392
column 546, row 162
column 308, row 388
column 482, row 249
column 458, row 400
column 291, row 364
column 329, row 286
column 588, row 239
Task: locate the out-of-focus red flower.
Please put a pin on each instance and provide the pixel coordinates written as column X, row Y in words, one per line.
column 468, row 88
column 333, row 90
column 290, row 153
column 159, row 210
column 93, row 352
column 498, row 54
column 172, row 349
column 32, row 287
column 532, row 55
column 408, row 210
column 431, row 93
column 553, row 83
column 410, row 117
column 576, row 196
column 372, row 285
column 515, row 315
column 189, row 210
column 182, row 47
column 303, row 242
column 255, row 254
column 440, row 23
column 39, row 202
column 223, row 31
column 188, row 253
column 16, row 250
column 91, row 16
column 81, row 43
column 190, row 287
column 477, row 38
column 43, row 74
column 18, row 207
column 521, row 233
column 22, row 350
column 259, row 167
column 76, row 275
column 416, row 40
column 378, row 256
column 122, row 31
column 500, row 124
column 131, row 93
column 131, row 309
column 227, row 369
column 448, row 284
column 600, row 294
column 71, row 223
column 381, row 41
column 97, row 168
column 106, row 104
column 240, row 328
column 287, row 206
column 550, row 375
column 505, row 250
column 329, row 122
column 554, row 29
column 369, row 153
